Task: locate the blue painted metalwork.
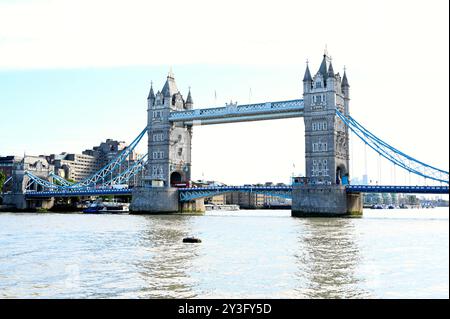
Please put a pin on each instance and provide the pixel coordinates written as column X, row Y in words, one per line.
column 33, row 179
column 187, row 194
column 397, row 189
column 77, row 192
column 61, row 180
column 122, row 178
column 392, row 154
column 125, row 176
column 108, row 175
column 108, row 170
column 239, row 113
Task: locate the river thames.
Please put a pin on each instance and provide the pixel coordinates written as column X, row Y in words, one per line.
column 243, row 254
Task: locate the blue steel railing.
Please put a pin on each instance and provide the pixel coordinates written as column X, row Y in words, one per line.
column 77, row 192
column 397, row 189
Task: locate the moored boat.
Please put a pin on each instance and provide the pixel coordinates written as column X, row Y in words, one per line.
column 107, row 208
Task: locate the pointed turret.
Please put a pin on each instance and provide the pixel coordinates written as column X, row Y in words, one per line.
column 344, row 80
column 189, row 101
column 323, row 67
column 151, row 94
column 330, row 70
column 189, row 98
column 170, row 87
column 307, row 76
column 345, row 88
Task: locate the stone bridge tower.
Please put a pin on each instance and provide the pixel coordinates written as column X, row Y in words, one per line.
column 326, row 147
column 169, row 154
column 169, row 144
column 326, row 136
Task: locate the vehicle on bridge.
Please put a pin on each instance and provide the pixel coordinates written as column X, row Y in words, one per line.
column 183, row 184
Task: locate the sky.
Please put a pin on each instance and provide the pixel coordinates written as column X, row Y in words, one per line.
column 74, row 73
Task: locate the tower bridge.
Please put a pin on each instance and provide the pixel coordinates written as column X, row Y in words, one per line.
column 326, row 190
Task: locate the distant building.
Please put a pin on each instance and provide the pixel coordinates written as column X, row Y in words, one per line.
column 246, row 200
column 7, row 164
column 75, row 167
column 78, row 167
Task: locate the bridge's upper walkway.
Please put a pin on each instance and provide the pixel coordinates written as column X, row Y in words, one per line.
column 240, row 113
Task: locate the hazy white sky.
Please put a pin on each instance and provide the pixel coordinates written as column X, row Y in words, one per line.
column 396, row 53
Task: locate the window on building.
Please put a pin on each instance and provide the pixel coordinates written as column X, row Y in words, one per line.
column 319, row 147
column 158, row 155
column 157, row 137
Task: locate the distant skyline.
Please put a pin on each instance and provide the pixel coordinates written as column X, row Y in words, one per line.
column 73, row 74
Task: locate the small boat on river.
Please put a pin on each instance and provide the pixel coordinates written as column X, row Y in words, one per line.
column 107, row 208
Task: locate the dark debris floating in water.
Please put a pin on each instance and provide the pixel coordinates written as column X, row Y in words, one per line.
column 191, row 240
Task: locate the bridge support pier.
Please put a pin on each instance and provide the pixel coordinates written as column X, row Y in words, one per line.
column 15, row 199
column 196, row 206
column 20, row 203
column 162, row 200
column 154, row 200
column 325, row 201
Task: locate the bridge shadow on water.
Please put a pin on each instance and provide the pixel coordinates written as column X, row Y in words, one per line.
column 328, row 257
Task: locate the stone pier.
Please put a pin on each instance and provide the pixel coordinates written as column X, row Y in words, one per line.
column 162, row 200
column 20, row 203
column 325, row 201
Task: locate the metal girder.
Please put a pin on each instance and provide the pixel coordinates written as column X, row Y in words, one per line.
column 63, row 181
column 77, row 192
column 240, row 113
column 125, row 176
column 106, row 172
column 108, row 175
column 34, row 179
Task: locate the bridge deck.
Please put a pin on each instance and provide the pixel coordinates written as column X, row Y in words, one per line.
column 187, row 194
column 74, row 193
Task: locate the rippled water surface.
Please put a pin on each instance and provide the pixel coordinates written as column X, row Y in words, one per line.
column 249, row 254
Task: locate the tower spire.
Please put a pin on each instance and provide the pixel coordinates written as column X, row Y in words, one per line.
column 170, row 87
column 344, row 79
column 323, row 67
column 307, row 76
column 151, row 94
column 170, row 74
column 330, row 70
column 189, row 97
